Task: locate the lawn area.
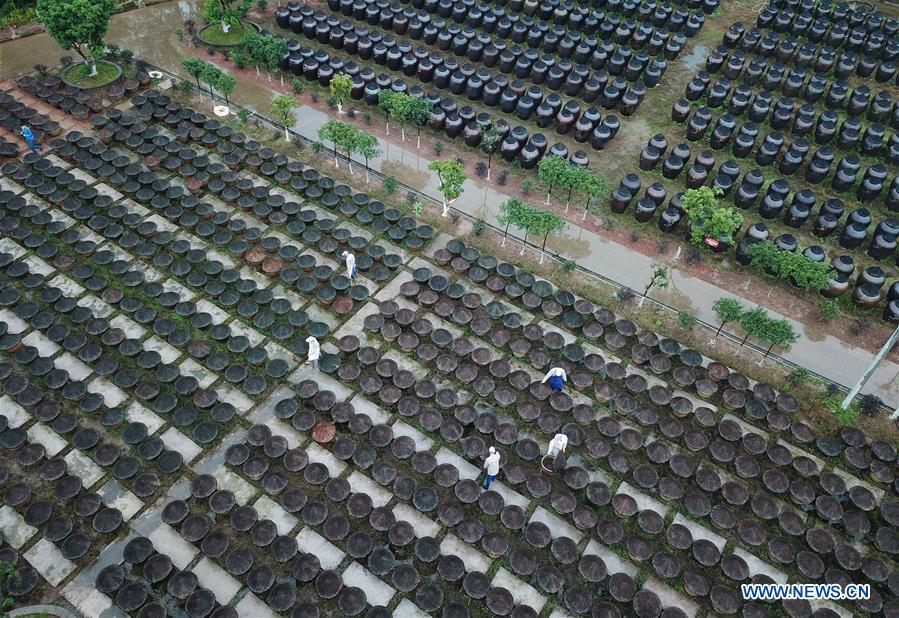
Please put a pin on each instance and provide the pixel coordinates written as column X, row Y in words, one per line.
column 80, row 74
column 213, row 34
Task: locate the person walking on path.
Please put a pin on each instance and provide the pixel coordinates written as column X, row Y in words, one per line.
column 29, row 139
column 491, row 464
column 350, row 264
column 315, row 352
column 556, row 377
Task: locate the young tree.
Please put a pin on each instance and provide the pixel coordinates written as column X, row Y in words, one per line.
column 346, row 135
column 451, row 176
column 282, row 109
column 225, row 84
column 575, row 177
column 526, row 220
column 659, row 278
column 226, row 12
column 275, row 48
column 509, row 215
column 707, row 219
column 551, row 170
column 78, row 24
column 399, row 106
column 385, row 102
column 340, row 87
column 777, row 333
column 489, row 143
column 194, row 68
column 418, row 112
column 330, row 131
column 754, row 323
column 594, row 186
column 211, row 75
column 254, row 46
column 728, row 310
column 547, row 222
column 367, row 146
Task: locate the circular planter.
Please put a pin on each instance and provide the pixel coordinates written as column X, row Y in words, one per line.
column 206, row 34
column 69, row 80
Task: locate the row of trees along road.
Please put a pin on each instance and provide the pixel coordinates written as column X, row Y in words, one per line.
column 210, row 75
column 405, row 108
column 756, row 323
column 557, row 171
column 532, row 221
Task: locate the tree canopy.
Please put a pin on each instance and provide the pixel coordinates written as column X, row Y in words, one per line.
column 708, row 219
column 795, row 267
column 77, row 24
column 226, row 12
column 282, row 109
column 452, row 177
column 340, row 87
column 727, row 310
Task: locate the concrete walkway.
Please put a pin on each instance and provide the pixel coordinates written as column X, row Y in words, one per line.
column 626, row 267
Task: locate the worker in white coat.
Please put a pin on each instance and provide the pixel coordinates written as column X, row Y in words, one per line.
column 315, row 351
column 350, row 264
column 556, row 377
column 557, row 445
column 491, row 464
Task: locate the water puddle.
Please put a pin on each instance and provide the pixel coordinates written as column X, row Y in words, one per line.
column 696, row 59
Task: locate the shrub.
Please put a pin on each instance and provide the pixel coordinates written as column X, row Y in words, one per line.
column 243, row 114
column 239, row 56
column 502, row 177
column 367, row 116
column 527, row 186
column 417, row 209
column 480, row 168
column 686, row 320
column 317, row 146
column 795, row 267
column 870, row 404
column 438, row 147
column 569, row 266
column 830, row 310
column 296, row 84
column 331, row 102
column 624, row 294
column 707, row 219
column 694, row 254
column 799, row 377
column 479, row 226
column 390, row 184
column 262, row 4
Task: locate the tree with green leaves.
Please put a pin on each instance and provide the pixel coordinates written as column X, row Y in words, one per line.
column 527, row 221
column 508, row 214
column 385, row 103
column 194, row 68
column 417, row 111
column 777, row 333
column 546, row 222
column 754, row 322
column 728, row 310
column 225, row 84
column 490, row 142
column 79, row 25
column 575, row 178
column 255, row 47
column 594, row 187
column 211, row 76
column 708, row 220
column 552, row 170
column 340, row 87
column 345, row 137
column 452, row 177
column 276, row 48
column 789, row 266
column 399, row 106
column 659, row 278
column 368, row 147
column 282, row 109
column 227, row 12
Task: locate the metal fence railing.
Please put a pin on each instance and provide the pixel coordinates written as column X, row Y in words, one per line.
column 784, row 362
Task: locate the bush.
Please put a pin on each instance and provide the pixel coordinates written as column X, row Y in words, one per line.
column 390, row 184
column 686, row 320
column 243, row 114
column 296, row 84
column 799, row 377
column 480, row 168
column 707, row 218
column 830, row 310
column 794, row 267
column 694, row 254
column 870, row 404
column 624, row 294
column 569, row 266
column 317, row 147
column 527, row 186
column 479, row 226
column 239, row 56
column 438, row 147
column 367, row 116
column 502, row 177
column 262, row 4
column 331, row 102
